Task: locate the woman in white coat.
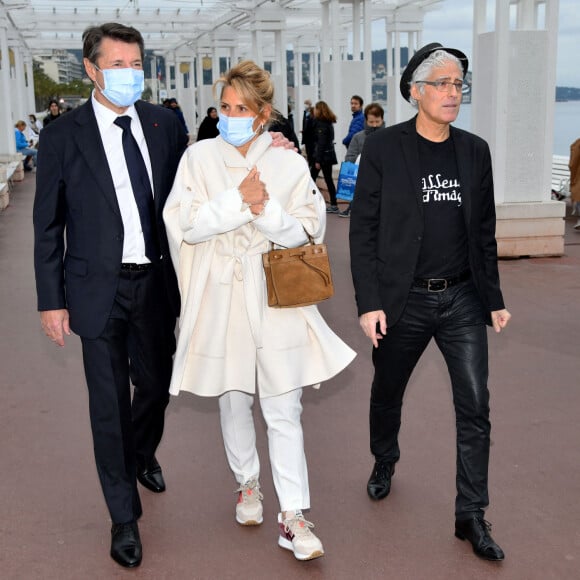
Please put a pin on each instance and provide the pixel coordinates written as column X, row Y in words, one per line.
column 232, row 197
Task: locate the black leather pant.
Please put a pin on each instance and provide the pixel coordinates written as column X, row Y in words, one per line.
column 456, row 320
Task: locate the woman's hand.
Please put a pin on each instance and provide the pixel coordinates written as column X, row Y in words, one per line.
column 253, row 192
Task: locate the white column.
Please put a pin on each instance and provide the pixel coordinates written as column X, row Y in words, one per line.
column 314, row 73
column 479, row 27
column 502, row 96
column 298, row 92
column 356, row 30
column 551, row 21
column 526, row 15
column 507, row 97
column 324, row 40
column 18, row 85
column 367, row 40
column 281, row 70
column 7, row 141
column 407, row 21
column 195, row 112
column 390, row 64
column 179, row 81
column 31, row 102
column 203, row 97
column 335, row 80
column 201, row 104
column 215, row 64
column 168, row 75
column 257, row 53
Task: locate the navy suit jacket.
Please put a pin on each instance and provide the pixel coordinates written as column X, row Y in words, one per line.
column 386, row 224
column 77, row 221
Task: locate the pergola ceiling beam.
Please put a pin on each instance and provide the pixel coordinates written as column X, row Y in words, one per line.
column 60, row 25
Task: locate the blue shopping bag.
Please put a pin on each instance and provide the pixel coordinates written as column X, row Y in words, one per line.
column 347, row 180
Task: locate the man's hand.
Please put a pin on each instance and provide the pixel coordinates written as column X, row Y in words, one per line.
column 278, row 140
column 500, row 319
column 369, row 321
column 253, row 192
column 55, row 325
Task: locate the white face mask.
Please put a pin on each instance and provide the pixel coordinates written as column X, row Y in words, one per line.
column 236, row 130
column 123, row 86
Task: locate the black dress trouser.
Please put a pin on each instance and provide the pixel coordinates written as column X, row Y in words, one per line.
column 455, row 318
column 136, row 347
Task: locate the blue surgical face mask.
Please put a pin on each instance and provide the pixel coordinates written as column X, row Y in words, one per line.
column 123, row 86
column 236, row 130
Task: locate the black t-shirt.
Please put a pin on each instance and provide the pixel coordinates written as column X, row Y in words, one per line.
column 444, row 245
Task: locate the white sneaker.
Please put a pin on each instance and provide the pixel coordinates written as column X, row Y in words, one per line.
column 577, row 226
column 295, row 535
column 249, row 511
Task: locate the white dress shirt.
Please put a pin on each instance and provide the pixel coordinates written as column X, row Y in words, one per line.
column 111, row 135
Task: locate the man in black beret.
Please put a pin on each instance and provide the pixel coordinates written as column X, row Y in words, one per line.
column 424, row 265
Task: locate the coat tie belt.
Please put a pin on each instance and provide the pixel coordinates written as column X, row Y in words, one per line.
column 247, row 267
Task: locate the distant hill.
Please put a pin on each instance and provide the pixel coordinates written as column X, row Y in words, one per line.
column 567, row 94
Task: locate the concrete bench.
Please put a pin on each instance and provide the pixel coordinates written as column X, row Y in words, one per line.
column 10, row 169
column 560, row 177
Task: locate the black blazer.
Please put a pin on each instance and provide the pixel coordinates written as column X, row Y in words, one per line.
column 386, row 224
column 75, row 198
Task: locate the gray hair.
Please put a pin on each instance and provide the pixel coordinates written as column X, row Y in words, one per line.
column 436, row 59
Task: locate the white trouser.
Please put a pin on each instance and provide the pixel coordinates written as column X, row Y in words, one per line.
column 285, row 442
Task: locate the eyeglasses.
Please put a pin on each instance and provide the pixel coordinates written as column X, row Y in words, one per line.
column 445, row 86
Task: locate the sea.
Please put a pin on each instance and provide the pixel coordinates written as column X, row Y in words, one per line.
column 566, row 124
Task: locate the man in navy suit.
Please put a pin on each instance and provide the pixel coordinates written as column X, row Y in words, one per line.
column 424, row 265
column 96, row 274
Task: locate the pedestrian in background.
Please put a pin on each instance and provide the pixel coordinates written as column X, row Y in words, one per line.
column 208, row 128
column 357, row 121
column 374, row 119
column 308, row 137
column 574, row 166
column 324, row 154
column 174, row 106
column 24, row 146
column 53, row 113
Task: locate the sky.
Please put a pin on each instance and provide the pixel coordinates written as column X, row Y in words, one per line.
column 451, row 24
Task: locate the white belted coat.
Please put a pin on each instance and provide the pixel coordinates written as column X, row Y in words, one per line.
column 229, row 339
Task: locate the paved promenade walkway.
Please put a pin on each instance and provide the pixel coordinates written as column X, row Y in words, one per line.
column 53, row 520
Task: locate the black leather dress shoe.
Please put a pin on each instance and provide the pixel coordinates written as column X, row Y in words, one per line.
column 126, row 544
column 379, row 484
column 476, row 530
column 151, row 476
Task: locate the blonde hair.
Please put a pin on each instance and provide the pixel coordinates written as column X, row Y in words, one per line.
column 19, row 124
column 251, row 82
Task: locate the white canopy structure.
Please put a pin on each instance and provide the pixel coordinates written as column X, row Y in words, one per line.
column 197, row 35
column 330, row 42
column 168, row 25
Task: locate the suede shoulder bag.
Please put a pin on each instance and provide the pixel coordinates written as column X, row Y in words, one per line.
column 298, row 276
